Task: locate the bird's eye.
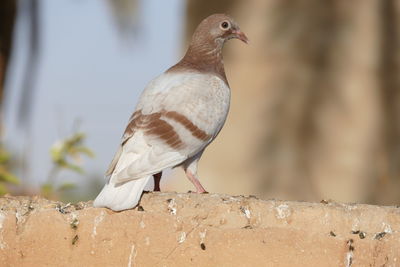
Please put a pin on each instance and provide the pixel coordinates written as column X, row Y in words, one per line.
column 225, row 25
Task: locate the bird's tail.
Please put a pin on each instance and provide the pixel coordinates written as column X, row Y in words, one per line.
column 121, row 196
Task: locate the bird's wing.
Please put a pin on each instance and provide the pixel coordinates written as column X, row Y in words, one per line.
column 177, row 116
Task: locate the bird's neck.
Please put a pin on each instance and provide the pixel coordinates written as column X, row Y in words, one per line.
column 206, row 57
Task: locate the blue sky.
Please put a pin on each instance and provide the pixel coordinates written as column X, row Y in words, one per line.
column 88, row 72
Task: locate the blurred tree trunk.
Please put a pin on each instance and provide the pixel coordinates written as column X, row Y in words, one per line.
column 315, row 104
column 389, row 182
column 7, row 22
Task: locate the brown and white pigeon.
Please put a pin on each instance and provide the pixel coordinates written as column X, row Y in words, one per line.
column 178, row 115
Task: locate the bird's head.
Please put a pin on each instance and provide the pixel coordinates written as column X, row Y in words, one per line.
column 205, row 50
column 218, row 28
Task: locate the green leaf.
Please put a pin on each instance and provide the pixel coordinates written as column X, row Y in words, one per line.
column 74, row 167
column 4, row 156
column 66, row 154
column 83, row 150
column 8, row 177
column 56, row 151
column 3, row 189
column 66, row 186
column 47, row 189
column 61, row 163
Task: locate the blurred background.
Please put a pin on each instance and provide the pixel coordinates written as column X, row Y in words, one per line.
column 315, row 108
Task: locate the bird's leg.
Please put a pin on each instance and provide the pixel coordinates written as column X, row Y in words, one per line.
column 190, row 168
column 195, row 181
column 157, row 179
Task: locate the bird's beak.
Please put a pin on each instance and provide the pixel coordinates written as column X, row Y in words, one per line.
column 241, row 36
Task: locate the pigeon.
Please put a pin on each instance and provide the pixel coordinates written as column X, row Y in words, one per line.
column 178, row 115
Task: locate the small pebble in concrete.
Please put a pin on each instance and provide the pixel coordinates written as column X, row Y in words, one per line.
column 350, row 243
column 140, row 208
column 75, row 239
column 362, row 235
column 380, row 235
column 74, row 224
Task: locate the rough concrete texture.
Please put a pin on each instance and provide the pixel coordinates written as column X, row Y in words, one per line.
column 170, row 229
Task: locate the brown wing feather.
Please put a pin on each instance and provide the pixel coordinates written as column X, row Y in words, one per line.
column 153, row 124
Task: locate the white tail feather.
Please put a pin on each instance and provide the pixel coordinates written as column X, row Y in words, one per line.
column 121, row 196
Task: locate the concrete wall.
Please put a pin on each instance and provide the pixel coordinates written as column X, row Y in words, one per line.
column 170, row 229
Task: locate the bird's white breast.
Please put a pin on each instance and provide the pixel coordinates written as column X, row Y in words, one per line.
column 202, row 98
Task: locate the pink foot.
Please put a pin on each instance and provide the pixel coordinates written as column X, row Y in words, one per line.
column 199, row 188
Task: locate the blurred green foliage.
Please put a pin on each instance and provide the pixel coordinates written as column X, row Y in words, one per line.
column 66, row 155
column 6, row 177
column 70, row 148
